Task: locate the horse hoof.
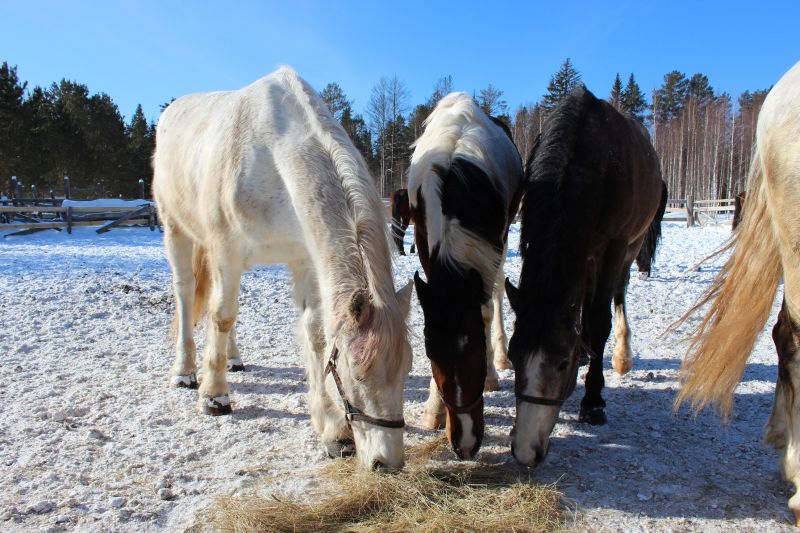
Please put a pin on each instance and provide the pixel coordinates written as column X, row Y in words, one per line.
column 340, row 448
column 503, row 364
column 621, row 365
column 184, row 381
column 595, row 416
column 432, row 421
column 217, row 405
column 235, row 365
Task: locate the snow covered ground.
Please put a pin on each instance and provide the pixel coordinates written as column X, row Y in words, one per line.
column 92, row 439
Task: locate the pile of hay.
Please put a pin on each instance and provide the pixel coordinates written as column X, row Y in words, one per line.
column 427, row 495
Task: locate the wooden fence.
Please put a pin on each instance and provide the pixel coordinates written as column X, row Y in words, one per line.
column 30, row 219
column 700, row 212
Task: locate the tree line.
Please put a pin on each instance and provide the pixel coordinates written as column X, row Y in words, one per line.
column 703, row 144
column 63, row 130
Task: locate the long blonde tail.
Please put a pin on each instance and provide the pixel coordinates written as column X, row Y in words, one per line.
column 741, row 299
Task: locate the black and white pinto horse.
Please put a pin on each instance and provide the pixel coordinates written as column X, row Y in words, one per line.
column 266, row 175
column 463, row 185
column 592, row 193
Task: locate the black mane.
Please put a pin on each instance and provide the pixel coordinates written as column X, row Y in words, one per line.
column 561, row 203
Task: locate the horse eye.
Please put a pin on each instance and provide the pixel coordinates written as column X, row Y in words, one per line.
column 562, row 366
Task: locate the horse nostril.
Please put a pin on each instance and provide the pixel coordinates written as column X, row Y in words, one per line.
column 378, row 466
column 459, row 452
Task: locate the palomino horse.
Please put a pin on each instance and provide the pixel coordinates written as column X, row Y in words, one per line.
column 764, row 249
column 401, row 218
column 266, row 175
column 463, row 185
column 593, row 191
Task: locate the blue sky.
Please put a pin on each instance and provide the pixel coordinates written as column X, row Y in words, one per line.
column 148, row 52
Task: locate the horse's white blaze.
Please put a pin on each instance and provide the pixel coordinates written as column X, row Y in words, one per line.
column 534, row 422
column 468, row 439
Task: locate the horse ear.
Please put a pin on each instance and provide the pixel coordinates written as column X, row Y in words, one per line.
column 360, row 307
column 404, row 298
column 422, row 289
column 513, row 295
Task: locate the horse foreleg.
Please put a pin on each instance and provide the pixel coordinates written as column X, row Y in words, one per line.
column 226, row 276
column 622, row 360
column 783, row 428
column 433, row 417
column 597, row 322
column 326, row 420
column 179, row 253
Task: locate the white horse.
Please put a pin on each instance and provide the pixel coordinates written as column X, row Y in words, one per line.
column 463, row 186
column 266, row 175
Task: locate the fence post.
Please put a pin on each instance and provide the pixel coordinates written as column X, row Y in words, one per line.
column 69, row 220
column 14, row 191
column 66, row 187
column 689, row 211
column 34, row 192
column 141, row 188
column 151, row 216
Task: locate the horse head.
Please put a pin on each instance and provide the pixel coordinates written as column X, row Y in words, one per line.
column 455, row 342
column 545, row 350
column 369, row 361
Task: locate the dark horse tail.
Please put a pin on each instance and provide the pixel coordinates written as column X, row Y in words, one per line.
column 647, row 255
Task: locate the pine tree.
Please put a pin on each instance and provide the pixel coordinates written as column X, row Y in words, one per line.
column 671, row 95
column 561, row 84
column 141, row 143
column 699, row 88
column 615, row 98
column 633, row 100
column 12, row 121
column 489, row 99
column 337, row 102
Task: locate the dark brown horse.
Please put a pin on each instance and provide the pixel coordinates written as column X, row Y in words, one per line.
column 401, row 218
column 463, row 186
column 593, row 192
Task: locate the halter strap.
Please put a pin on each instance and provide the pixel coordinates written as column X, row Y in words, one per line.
column 352, row 413
column 538, row 400
column 459, row 410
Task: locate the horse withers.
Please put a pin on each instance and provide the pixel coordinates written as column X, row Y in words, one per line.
column 265, row 174
column 593, row 190
column 463, row 185
column 765, row 249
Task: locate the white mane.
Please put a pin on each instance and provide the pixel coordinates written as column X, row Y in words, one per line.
column 457, row 127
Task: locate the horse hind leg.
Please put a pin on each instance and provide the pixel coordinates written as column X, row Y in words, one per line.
column 178, row 249
column 492, row 382
column 223, row 305
column 433, row 416
column 622, row 360
column 783, row 428
column 499, row 339
column 235, row 363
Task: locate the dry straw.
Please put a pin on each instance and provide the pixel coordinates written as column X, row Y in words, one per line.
column 428, row 495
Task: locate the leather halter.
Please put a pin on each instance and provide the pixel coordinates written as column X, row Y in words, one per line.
column 558, row 402
column 460, row 410
column 352, row 413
